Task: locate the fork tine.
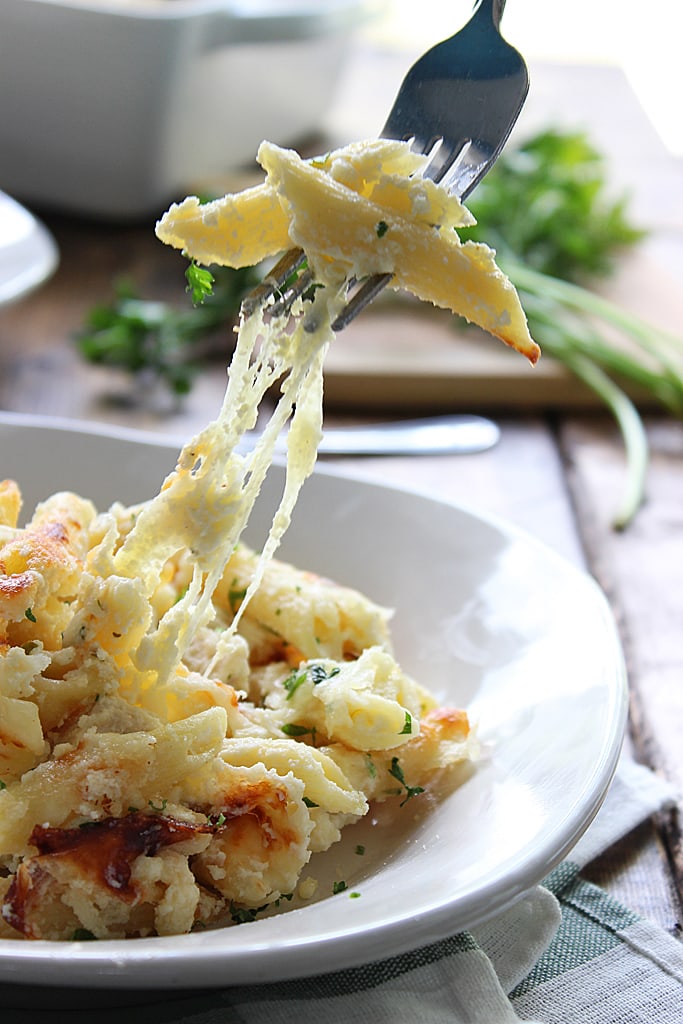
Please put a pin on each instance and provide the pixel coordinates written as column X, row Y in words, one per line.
column 291, row 294
column 445, row 160
column 362, row 297
column 273, row 282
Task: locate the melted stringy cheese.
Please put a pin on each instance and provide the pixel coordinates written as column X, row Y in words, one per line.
column 204, row 505
column 334, row 208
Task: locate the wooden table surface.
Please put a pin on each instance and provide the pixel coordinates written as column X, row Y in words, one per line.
column 557, row 472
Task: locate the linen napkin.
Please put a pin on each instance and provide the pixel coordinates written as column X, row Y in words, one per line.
column 565, row 953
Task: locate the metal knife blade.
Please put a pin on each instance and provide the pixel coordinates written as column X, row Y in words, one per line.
column 437, row 435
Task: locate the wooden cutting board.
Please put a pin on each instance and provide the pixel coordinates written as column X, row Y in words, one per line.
column 402, row 355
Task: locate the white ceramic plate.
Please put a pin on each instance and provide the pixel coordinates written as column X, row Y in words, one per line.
column 28, row 253
column 485, row 617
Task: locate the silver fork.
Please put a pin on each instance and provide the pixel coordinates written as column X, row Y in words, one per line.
column 457, row 105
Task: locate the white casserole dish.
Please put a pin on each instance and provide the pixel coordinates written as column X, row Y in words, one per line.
column 114, row 107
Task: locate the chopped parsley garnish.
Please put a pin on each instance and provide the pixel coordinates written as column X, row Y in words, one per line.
column 360, row 850
column 162, row 806
column 291, row 729
column 338, row 887
column 310, row 803
column 293, row 682
column 354, row 895
column 82, row 935
column 235, row 598
column 382, row 228
column 30, row 616
column 243, row 915
column 319, row 673
column 309, row 294
column 3, row 785
column 289, row 281
column 407, row 725
column 371, row 767
column 397, row 772
column 316, row 673
column 218, row 820
column 200, row 282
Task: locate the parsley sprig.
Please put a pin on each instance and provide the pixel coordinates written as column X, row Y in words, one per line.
column 396, row 771
column 200, row 282
column 316, row 672
column 147, row 338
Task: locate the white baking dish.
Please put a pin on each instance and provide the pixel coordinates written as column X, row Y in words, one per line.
column 114, row 107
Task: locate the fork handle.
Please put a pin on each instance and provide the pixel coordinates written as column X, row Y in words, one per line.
column 373, row 285
column 494, row 8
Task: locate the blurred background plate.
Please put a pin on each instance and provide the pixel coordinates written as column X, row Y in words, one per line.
column 142, row 101
column 28, row 252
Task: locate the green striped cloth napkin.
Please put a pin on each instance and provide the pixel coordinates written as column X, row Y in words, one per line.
column 566, row 953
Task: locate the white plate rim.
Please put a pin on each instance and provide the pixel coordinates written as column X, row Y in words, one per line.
column 28, row 259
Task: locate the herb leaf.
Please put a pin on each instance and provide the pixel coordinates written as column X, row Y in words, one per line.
column 397, row 772
column 316, row 673
column 244, row 915
column 291, row 729
column 200, row 282
column 235, row 598
column 293, row 682
column 407, row 725
column 319, row 673
column 547, row 201
column 147, row 337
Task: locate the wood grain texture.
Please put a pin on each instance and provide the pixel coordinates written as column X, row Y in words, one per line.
column 640, row 569
column 40, row 368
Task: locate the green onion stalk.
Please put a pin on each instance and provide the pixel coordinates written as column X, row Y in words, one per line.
column 567, row 319
column 545, row 207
